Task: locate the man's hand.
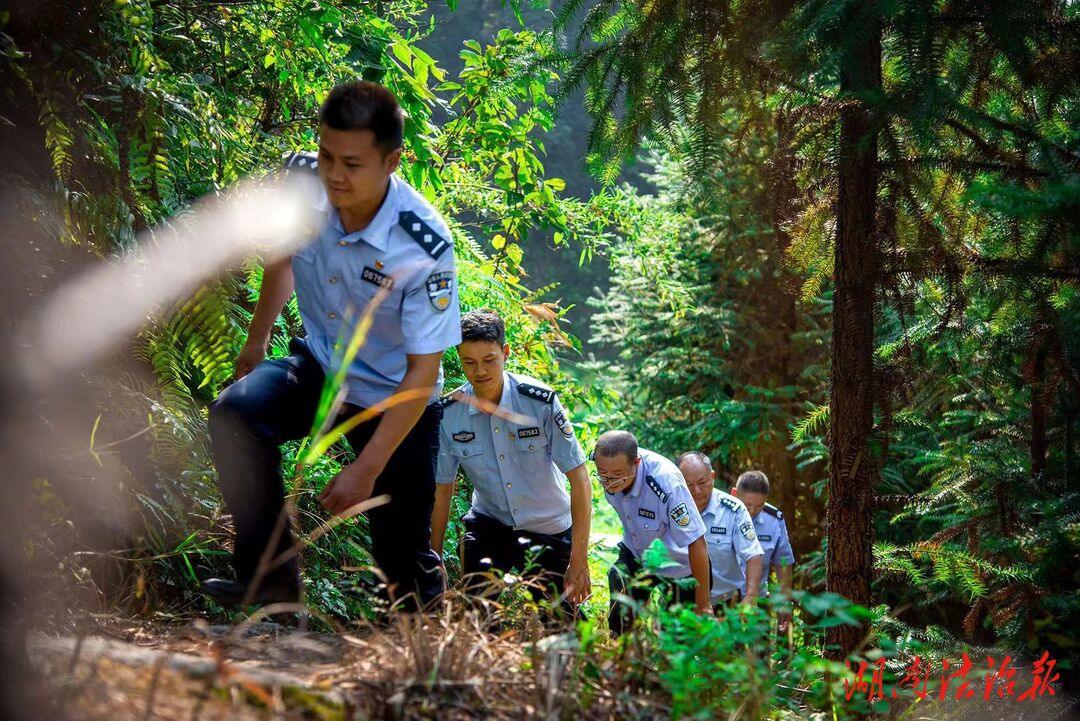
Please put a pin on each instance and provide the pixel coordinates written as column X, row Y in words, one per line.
column 577, row 583
column 705, row 610
column 350, row 487
column 251, row 355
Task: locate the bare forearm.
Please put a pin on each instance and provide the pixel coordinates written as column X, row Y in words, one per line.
column 699, row 567
column 440, row 515
column 753, row 578
column 274, row 292
column 580, row 513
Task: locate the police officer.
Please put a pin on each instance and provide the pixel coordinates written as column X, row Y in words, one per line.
column 752, row 488
column 380, row 247
column 652, row 500
column 511, row 436
column 734, row 550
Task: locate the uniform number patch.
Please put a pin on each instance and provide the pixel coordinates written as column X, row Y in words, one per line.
column 764, row 538
column 680, row 515
column 718, row 529
column 564, row 424
column 747, row 529
column 645, row 513
column 464, row 436
column 380, row 279
column 528, row 432
column 439, row 288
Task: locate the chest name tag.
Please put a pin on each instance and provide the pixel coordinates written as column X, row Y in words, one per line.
column 528, row 432
column 764, row 538
column 645, row 513
column 380, row 279
column 464, row 436
column 719, row 529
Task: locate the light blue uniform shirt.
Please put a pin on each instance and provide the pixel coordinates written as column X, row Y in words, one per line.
column 406, row 250
column 772, row 534
column 659, row 505
column 516, row 466
column 729, row 532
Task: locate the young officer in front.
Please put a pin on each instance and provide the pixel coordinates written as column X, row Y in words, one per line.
column 380, row 246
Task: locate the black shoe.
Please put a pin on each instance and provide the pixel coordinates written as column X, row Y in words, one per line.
column 232, row 593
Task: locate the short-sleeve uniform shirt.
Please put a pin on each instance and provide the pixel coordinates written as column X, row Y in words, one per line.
column 400, row 268
column 729, row 532
column 659, row 505
column 772, row 534
column 516, row 464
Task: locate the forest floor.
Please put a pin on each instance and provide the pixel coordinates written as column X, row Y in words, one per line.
column 125, row 670
column 444, row 667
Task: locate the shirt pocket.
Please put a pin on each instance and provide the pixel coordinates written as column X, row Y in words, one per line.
column 303, row 263
column 364, row 283
column 467, row 451
column 531, row 445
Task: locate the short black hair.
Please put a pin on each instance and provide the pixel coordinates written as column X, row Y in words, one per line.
column 484, row 325
column 697, row 456
column 363, row 105
column 614, row 443
column 753, row 482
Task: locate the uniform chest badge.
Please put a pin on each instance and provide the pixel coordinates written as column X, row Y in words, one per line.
column 646, row 513
column 528, row 432
column 379, row 265
column 440, row 287
column 680, row 515
column 764, row 538
column 720, row 530
column 464, row 436
column 380, row 279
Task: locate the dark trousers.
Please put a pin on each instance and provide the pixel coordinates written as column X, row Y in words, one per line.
column 540, row 558
column 623, row 579
column 277, row 402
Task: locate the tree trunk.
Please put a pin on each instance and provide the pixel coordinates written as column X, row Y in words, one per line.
column 852, row 470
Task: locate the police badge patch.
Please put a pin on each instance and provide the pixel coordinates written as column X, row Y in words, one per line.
column 440, row 286
column 564, row 424
column 747, row 529
column 464, row 436
column 680, row 515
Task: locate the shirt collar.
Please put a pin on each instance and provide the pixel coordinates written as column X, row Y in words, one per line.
column 377, row 232
column 504, row 399
column 712, row 506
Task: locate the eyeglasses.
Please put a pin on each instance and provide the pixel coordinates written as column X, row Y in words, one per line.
column 613, row 479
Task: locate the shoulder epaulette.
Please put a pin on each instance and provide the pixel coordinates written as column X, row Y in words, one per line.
column 773, row 511
column 536, row 392
column 655, row 488
column 432, row 243
column 302, row 161
column 451, row 398
column 729, row 503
